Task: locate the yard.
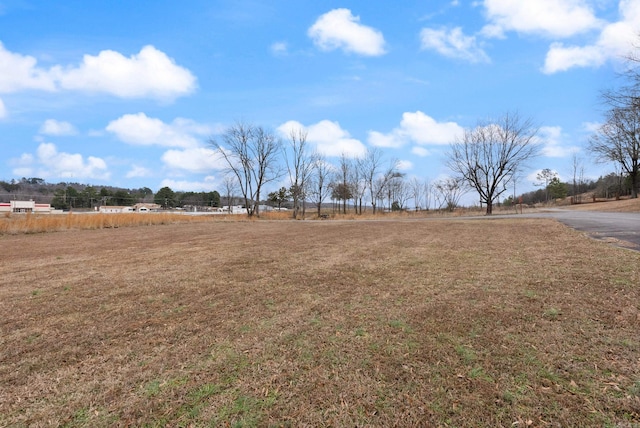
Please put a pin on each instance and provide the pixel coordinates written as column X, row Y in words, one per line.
column 405, row 322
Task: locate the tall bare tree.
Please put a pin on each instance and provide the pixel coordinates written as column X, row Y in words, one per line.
column 428, row 194
column 487, row 157
column 618, row 140
column 300, row 162
column 374, row 176
column 319, row 184
column 251, row 154
column 416, row 187
column 230, row 185
column 342, row 188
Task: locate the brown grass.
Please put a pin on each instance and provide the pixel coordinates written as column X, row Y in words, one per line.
column 37, row 223
column 608, row 205
column 325, row 323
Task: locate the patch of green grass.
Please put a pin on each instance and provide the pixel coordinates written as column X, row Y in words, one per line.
column 401, row 325
column 244, row 411
column 479, row 373
column 156, row 386
column 152, row 388
column 549, row 375
column 631, row 344
column 33, row 337
column 635, row 389
column 552, row 313
column 80, row 418
column 467, row 354
column 360, row 332
column 622, row 282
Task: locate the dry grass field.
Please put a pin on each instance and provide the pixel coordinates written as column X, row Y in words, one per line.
column 404, row 322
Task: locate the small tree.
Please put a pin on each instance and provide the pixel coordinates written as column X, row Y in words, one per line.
column 557, row 189
column 279, row 197
column 320, row 185
column 488, row 156
column 545, row 177
column 229, row 185
column 448, row 192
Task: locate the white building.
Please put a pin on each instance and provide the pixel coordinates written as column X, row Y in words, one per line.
column 115, row 209
column 24, row 207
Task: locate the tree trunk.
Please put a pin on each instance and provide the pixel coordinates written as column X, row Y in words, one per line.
column 489, row 207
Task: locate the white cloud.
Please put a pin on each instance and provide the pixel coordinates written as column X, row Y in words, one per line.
column 591, row 127
column 57, row 128
column 148, row 74
column 330, row 139
column 139, row 171
column 393, row 140
column 553, row 142
column 19, row 72
column 196, row 160
column 554, row 18
column 614, row 42
column 418, row 128
column 3, row 110
column 453, row 44
column 405, row 165
column 420, row 151
column 339, row 29
column 139, row 129
column 279, row 48
column 49, row 163
column 208, row 185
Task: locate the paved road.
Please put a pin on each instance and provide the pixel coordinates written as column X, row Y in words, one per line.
column 619, row 228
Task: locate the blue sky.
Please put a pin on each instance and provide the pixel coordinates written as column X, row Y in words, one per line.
column 128, row 93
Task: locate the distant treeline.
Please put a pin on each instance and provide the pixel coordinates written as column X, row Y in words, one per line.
column 85, row 196
column 608, row 186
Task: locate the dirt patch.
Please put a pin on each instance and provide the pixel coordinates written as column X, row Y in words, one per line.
column 328, row 323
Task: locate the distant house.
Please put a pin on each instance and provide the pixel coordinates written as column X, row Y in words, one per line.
column 233, row 209
column 115, row 209
column 24, row 207
column 146, row 208
column 137, row 208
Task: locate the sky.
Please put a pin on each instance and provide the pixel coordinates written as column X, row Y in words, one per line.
column 130, row 94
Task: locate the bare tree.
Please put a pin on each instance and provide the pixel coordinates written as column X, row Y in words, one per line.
column 448, row 192
column 428, row 194
column 618, row 140
column 251, row 156
column 487, row 157
column 376, row 180
column 229, row 184
column 319, row 184
column 398, row 192
column 416, row 187
column 299, row 166
column 358, row 187
column 343, row 189
column 577, row 168
column 545, row 177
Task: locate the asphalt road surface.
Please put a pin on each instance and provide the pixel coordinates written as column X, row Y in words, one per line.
column 621, row 229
